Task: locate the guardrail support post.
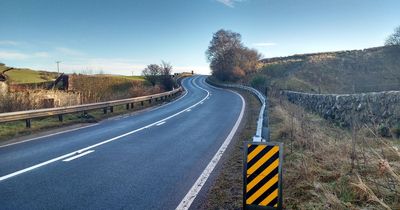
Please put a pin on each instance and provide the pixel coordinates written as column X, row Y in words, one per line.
column 111, row 109
column 127, row 106
column 60, row 117
column 142, row 103
column 132, row 105
column 105, row 110
column 149, row 101
column 28, row 123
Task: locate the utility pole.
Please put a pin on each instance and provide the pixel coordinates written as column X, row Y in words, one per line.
column 58, row 66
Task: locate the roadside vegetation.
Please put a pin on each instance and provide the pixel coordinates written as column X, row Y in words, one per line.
column 325, row 166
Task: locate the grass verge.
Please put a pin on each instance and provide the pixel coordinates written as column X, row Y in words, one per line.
column 324, row 166
column 327, row 167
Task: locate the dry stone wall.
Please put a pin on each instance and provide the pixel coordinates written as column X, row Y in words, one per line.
column 372, row 108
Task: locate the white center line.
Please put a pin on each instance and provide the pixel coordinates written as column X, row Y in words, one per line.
column 2, row 178
column 188, row 110
column 78, row 156
column 160, row 123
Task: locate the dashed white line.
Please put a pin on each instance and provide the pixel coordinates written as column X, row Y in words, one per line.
column 103, row 142
column 78, row 156
column 158, row 124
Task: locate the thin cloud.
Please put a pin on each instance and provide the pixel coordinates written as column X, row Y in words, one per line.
column 229, row 3
column 69, row 51
column 9, row 42
column 41, row 54
column 264, row 44
column 12, row 55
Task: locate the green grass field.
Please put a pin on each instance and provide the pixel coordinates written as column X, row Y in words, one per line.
column 22, row 76
column 140, row 78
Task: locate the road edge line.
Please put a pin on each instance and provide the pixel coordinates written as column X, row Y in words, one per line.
column 195, row 189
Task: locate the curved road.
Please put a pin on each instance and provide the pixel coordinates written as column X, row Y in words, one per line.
column 148, row 160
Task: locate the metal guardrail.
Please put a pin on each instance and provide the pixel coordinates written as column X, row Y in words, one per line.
column 31, row 114
column 262, row 132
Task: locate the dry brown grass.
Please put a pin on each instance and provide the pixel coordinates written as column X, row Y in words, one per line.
column 318, row 172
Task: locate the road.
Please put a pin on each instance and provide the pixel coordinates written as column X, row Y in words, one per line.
column 147, row 160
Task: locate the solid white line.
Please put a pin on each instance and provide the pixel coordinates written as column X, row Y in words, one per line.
column 100, row 143
column 160, row 123
column 194, row 191
column 188, row 110
column 53, row 134
column 78, row 156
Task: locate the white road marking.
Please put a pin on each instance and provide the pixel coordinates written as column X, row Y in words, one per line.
column 188, row 110
column 194, row 191
column 53, row 134
column 66, row 131
column 100, row 143
column 78, row 156
column 158, row 124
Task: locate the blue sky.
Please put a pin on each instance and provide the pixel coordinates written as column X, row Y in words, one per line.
column 123, row 36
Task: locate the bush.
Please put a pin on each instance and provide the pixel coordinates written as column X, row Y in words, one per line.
column 258, row 82
column 384, row 131
column 396, row 130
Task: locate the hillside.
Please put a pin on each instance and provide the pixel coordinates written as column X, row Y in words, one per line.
column 23, row 76
column 374, row 69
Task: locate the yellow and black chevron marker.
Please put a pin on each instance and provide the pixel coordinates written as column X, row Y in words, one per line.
column 262, row 176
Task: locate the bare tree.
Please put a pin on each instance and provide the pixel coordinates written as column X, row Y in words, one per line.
column 166, row 79
column 152, row 73
column 229, row 58
column 394, row 39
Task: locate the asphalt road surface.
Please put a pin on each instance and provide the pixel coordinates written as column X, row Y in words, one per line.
column 147, row 160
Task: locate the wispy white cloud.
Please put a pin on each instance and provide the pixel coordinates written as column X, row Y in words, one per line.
column 7, row 55
column 229, row 3
column 264, row 44
column 41, row 54
column 69, row 51
column 9, row 42
column 13, row 55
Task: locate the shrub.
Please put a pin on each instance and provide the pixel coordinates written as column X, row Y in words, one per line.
column 396, row 130
column 258, row 82
column 384, row 131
